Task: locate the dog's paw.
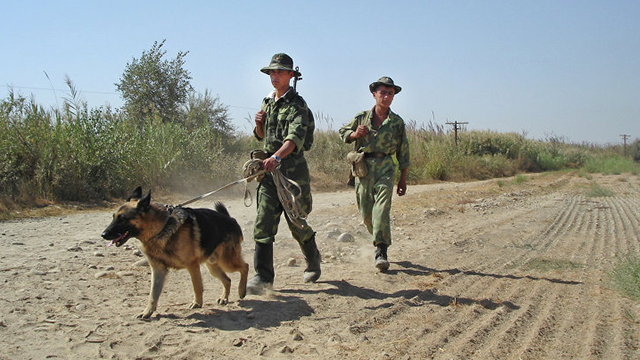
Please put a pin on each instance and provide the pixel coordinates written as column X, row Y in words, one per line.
column 195, row 305
column 223, row 301
column 145, row 315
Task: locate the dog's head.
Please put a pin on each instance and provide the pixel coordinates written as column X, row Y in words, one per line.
column 128, row 221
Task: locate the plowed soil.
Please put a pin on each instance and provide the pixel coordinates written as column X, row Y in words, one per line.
column 481, row 270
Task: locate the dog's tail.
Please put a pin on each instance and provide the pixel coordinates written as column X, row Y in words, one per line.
column 222, row 209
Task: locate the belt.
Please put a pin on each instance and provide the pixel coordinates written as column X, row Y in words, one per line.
column 377, row 155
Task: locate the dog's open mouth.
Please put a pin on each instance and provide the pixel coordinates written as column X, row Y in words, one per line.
column 120, row 240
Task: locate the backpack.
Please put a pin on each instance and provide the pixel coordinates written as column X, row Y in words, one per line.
column 308, row 139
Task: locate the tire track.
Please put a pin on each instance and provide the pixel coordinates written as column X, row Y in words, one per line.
column 478, row 322
column 537, row 326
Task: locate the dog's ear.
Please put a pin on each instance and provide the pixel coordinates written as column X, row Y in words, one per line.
column 144, row 203
column 136, row 194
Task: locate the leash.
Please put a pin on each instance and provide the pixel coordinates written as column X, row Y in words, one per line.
column 289, row 199
column 288, row 191
column 245, row 180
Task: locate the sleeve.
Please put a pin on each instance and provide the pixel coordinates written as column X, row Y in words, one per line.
column 350, row 127
column 402, row 151
column 262, row 107
column 298, row 124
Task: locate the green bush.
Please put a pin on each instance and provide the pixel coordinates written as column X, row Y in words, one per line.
column 625, row 277
column 610, row 163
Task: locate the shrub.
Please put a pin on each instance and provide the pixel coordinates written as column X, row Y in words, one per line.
column 625, row 277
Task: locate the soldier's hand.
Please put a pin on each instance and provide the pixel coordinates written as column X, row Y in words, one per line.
column 361, row 131
column 259, row 118
column 269, row 164
column 402, row 187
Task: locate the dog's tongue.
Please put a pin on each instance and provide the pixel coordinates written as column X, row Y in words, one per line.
column 113, row 242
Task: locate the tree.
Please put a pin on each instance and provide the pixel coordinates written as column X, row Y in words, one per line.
column 205, row 110
column 635, row 150
column 153, row 86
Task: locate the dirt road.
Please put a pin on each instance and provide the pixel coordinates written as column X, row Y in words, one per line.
column 478, row 271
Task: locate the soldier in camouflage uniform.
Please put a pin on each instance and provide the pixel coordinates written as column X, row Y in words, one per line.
column 379, row 133
column 285, row 125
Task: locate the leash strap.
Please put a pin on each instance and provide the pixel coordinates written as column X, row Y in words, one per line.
column 289, row 193
column 245, row 180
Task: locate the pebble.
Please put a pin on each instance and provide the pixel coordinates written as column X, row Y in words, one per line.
column 141, row 262
column 291, row 262
column 345, row 237
column 125, row 273
column 297, row 335
column 38, row 272
column 98, row 254
column 109, row 268
column 17, row 243
column 333, row 233
column 100, row 274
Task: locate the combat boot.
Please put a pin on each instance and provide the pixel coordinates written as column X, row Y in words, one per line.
column 263, row 265
column 381, row 257
column 312, row 258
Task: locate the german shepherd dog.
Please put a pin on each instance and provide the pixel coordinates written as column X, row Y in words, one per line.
column 181, row 238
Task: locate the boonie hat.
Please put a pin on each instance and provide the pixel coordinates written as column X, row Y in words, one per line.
column 281, row 61
column 386, row 81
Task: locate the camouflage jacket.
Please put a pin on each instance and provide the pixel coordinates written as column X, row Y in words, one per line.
column 289, row 118
column 390, row 138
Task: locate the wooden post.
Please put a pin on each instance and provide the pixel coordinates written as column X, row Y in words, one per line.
column 456, row 128
column 624, row 141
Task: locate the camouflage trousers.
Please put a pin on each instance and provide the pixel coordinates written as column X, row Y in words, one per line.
column 269, row 208
column 373, row 194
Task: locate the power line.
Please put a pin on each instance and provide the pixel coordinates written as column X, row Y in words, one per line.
column 98, row 92
column 54, row 89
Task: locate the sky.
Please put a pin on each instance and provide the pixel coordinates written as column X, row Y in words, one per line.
column 563, row 69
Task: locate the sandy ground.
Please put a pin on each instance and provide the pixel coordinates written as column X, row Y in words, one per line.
column 478, row 271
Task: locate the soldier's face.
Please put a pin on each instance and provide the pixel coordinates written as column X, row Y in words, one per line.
column 280, row 78
column 384, row 95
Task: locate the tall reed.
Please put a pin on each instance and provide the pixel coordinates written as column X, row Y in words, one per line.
column 82, row 154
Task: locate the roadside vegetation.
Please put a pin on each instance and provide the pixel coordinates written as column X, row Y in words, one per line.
column 173, row 140
column 86, row 155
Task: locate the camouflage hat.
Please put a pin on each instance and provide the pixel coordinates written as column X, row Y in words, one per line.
column 386, row 81
column 281, row 61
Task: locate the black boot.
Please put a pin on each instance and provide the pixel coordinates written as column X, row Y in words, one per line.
column 381, row 257
column 312, row 257
column 263, row 265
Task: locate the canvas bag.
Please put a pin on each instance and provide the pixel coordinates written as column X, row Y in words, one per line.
column 355, row 158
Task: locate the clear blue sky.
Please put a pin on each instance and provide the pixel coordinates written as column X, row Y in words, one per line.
column 543, row 68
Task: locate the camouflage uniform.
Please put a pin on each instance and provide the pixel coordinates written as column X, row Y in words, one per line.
column 287, row 119
column 374, row 191
column 286, row 126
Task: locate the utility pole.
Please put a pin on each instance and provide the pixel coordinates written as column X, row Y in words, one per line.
column 624, row 141
column 456, row 128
